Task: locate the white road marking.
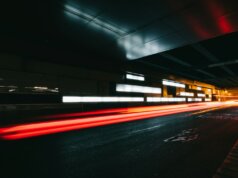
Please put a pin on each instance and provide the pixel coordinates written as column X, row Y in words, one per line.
column 184, row 136
column 147, row 129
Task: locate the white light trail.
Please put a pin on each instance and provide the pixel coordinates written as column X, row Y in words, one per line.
column 199, row 88
column 101, row 99
column 173, row 83
column 135, row 77
column 194, row 99
column 201, row 95
column 165, row 99
column 186, row 94
column 137, row 89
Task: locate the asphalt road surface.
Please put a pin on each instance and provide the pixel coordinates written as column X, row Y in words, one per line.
column 188, row 145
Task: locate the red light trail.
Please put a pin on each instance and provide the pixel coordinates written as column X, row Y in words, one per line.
column 28, row 130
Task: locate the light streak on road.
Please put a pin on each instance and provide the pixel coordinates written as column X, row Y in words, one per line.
column 98, row 118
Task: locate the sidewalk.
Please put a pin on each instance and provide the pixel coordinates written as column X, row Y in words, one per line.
column 229, row 168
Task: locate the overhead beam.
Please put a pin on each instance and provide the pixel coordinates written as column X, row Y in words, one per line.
column 179, row 61
column 234, row 79
column 206, row 73
column 223, row 63
column 205, row 52
column 169, row 70
column 175, row 59
column 211, row 57
column 221, row 82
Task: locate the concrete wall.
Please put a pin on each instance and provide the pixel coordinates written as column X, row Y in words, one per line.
column 71, row 80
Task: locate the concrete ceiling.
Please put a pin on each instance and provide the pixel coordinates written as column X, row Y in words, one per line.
column 184, row 37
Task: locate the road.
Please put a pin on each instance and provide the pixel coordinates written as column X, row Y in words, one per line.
column 187, row 145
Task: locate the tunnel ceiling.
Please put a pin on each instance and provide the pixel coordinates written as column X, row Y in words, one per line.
column 192, row 38
column 213, row 61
